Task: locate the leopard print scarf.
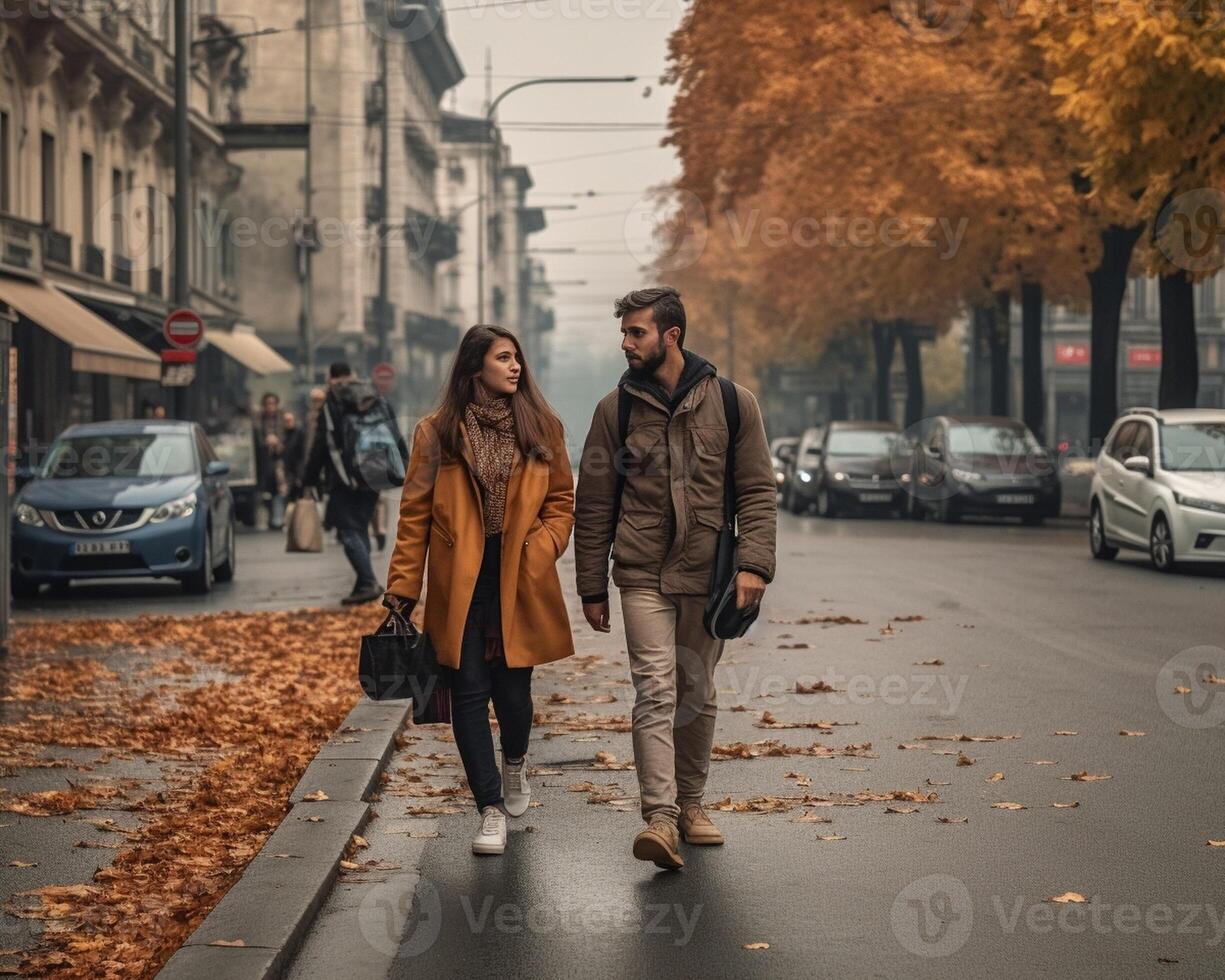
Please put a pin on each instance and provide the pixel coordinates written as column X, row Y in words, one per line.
column 491, row 430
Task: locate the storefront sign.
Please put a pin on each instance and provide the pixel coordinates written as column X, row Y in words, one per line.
column 1072, row 354
column 1144, row 357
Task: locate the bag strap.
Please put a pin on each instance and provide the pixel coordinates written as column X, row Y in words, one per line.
column 731, row 412
column 624, row 404
column 337, row 460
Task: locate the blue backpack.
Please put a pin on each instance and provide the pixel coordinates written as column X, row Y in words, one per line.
column 367, row 453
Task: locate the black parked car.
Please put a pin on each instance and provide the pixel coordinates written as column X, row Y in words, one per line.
column 990, row 465
column 863, row 468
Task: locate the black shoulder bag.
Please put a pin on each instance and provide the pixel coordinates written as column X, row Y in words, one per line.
column 722, row 619
column 398, row 661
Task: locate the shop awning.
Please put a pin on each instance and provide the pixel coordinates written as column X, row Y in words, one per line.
column 244, row 345
column 97, row 346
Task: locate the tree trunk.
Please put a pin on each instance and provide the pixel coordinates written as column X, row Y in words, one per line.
column 1032, row 408
column 1000, row 339
column 1179, row 349
column 913, row 363
column 883, row 336
column 1107, row 284
column 983, row 327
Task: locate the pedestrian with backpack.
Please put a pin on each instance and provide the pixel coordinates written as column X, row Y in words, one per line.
column 486, row 513
column 676, row 479
column 359, row 451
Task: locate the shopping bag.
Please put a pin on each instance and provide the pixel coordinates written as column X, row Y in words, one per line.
column 398, row 661
column 303, row 529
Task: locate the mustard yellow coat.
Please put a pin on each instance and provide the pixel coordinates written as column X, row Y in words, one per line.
column 441, row 535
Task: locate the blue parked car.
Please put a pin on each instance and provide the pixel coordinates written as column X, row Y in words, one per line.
column 122, row 499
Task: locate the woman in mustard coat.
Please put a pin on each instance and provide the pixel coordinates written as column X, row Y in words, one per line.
column 486, row 511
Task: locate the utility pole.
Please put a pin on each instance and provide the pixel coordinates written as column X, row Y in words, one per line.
column 182, row 170
column 307, row 360
column 385, row 193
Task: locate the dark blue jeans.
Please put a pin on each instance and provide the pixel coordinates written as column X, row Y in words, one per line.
column 357, row 550
column 477, row 681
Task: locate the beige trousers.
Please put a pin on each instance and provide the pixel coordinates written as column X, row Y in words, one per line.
column 672, row 661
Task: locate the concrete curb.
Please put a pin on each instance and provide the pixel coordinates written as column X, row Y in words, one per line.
column 273, row 904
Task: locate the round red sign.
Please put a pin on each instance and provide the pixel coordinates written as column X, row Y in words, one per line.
column 183, row 328
column 384, row 376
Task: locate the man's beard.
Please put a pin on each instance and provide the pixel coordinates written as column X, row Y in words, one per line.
column 645, row 369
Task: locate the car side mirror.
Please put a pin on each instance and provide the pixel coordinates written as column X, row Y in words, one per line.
column 1139, row 464
column 217, row 468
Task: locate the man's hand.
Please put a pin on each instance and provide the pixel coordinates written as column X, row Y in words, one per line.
column 750, row 587
column 598, row 616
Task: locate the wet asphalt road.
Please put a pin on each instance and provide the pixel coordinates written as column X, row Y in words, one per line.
column 1033, row 637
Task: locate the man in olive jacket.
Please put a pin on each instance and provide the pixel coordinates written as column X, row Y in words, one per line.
column 663, row 534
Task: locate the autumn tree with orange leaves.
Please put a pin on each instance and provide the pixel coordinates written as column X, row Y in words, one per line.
column 798, row 112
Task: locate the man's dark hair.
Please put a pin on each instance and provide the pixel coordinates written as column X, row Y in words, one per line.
column 339, row 369
column 270, row 394
column 665, row 305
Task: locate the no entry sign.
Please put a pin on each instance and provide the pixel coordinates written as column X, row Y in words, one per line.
column 384, row 376
column 184, row 329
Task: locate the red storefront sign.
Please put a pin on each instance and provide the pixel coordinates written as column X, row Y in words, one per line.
column 1072, row 354
column 1144, row 357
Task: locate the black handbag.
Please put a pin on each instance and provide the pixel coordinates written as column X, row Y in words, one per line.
column 722, row 619
column 398, row 661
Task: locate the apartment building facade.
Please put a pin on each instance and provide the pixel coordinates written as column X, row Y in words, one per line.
column 87, row 216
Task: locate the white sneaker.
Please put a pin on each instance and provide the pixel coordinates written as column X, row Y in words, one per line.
column 491, row 837
column 516, row 792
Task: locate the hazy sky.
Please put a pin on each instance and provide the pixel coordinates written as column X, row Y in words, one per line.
column 578, row 37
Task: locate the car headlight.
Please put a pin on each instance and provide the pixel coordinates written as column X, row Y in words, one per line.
column 966, row 476
column 904, row 478
column 839, row 476
column 28, row 515
column 1199, row 503
column 183, row 507
column 805, row 476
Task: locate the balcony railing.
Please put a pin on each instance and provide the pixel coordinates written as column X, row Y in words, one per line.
column 59, row 247
column 93, row 260
column 430, row 331
column 121, row 270
column 21, row 244
column 429, row 236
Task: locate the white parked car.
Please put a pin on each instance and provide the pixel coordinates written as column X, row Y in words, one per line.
column 1159, row 486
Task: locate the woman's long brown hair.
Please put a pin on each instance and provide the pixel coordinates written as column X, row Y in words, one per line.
column 537, row 426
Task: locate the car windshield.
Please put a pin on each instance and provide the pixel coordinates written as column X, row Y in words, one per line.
column 863, row 442
column 1194, row 447
column 991, row 440
column 136, row 455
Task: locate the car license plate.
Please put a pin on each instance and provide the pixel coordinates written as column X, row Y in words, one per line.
column 1015, row 498
column 102, row 547
column 875, row 498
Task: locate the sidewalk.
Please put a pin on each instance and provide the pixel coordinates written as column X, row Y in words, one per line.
column 145, row 761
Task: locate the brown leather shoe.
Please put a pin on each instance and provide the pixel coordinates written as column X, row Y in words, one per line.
column 659, row 844
column 696, row 827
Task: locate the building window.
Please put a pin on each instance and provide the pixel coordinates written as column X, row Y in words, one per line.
column 5, row 162
column 48, row 178
column 117, row 243
column 87, row 198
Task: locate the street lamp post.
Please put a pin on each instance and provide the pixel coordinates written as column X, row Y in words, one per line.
column 484, row 190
